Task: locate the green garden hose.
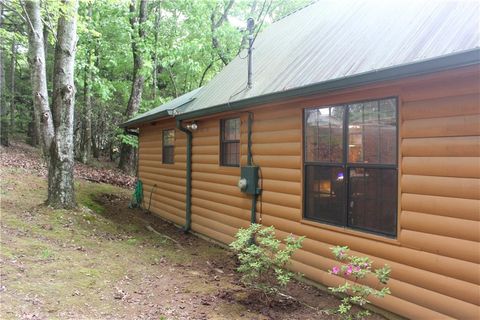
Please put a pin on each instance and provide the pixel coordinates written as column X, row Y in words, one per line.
column 137, row 197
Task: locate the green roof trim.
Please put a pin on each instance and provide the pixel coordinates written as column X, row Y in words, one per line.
column 448, row 62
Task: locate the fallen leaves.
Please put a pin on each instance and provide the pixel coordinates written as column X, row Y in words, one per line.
column 20, row 155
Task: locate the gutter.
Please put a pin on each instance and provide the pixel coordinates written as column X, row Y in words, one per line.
column 188, row 192
column 447, row 62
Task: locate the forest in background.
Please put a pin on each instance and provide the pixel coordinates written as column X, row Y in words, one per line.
column 131, row 56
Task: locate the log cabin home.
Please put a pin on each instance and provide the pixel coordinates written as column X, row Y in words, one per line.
column 358, row 124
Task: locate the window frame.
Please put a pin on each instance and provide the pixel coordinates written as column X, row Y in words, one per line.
column 222, row 160
column 346, row 166
column 169, row 146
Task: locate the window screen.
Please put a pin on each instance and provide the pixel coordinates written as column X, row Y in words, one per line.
column 230, row 142
column 351, row 165
column 168, row 146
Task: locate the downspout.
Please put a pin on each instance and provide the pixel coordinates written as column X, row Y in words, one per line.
column 188, row 192
column 253, row 218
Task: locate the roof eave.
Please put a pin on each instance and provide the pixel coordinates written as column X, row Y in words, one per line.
column 447, row 62
column 135, row 122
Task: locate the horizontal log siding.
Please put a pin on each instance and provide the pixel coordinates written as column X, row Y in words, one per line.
column 440, row 184
column 434, row 260
column 168, row 196
column 218, row 206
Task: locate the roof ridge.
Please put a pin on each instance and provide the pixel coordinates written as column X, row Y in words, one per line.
column 294, row 11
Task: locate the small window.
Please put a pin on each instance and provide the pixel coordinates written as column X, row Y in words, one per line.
column 230, row 142
column 351, row 165
column 168, row 146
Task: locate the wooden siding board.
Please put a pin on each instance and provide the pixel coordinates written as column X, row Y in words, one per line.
column 445, row 246
column 460, row 167
column 464, row 125
column 441, row 107
column 464, row 188
column 439, row 225
column 442, row 206
column 463, row 146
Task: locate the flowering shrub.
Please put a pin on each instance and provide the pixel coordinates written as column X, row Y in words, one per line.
column 262, row 262
column 353, row 269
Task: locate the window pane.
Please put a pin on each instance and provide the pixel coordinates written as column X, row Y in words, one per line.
column 168, row 137
column 388, row 131
column 231, row 129
column 168, row 154
column 372, row 132
column 373, row 200
column 231, row 153
column 324, row 134
column 325, row 194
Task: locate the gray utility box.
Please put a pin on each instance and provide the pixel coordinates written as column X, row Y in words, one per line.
column 250, row 174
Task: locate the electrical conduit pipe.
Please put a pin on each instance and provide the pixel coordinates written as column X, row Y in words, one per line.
column 188, row 192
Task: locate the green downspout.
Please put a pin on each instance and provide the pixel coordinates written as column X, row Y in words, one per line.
column 188, row 193
column 253, row 218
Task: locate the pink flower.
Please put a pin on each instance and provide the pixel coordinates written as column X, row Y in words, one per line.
column 335, row 270
column 356, row 269
column 349, row 270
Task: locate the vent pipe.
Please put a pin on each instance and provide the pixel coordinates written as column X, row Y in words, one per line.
column 250, row 27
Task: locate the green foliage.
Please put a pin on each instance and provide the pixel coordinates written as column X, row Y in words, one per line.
column 128, row 139
column 177, row 48
column 354, row 269
column 263, row 259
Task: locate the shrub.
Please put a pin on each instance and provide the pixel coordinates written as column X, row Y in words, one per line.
column 354, row 269
column 263, row 263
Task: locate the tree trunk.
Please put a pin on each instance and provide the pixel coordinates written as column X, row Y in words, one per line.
column 60, row 170
column 3, row 105
column 127, row 158
column 86, row 148
column 158, row 15
column 215, row 25
column 36, row 53
column 33, row 129
column 12, row 87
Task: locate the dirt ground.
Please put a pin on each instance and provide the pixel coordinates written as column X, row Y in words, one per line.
column 106, row 261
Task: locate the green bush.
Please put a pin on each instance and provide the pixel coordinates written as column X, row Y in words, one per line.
column 263, row 261
column 354, row 269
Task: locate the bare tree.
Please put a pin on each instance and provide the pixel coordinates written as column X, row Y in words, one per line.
column 57, row 121
column 127, row 154
column 158, row 16
column 3, row 105
column 86, row 146
column 13, row 62
column 36, row 53
column 215, row 25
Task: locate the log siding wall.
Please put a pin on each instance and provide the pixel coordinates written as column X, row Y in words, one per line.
column 435, row 258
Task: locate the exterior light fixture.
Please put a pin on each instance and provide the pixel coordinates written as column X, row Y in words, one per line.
column 192, row 126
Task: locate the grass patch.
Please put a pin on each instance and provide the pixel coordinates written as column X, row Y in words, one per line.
column 86, row 199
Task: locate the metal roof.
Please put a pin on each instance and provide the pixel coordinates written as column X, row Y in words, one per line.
column 165, row 109
column 331, row 41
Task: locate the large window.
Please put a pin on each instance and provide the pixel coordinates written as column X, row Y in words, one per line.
column 168, row 146
column 230, row 142
column 351, row 165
